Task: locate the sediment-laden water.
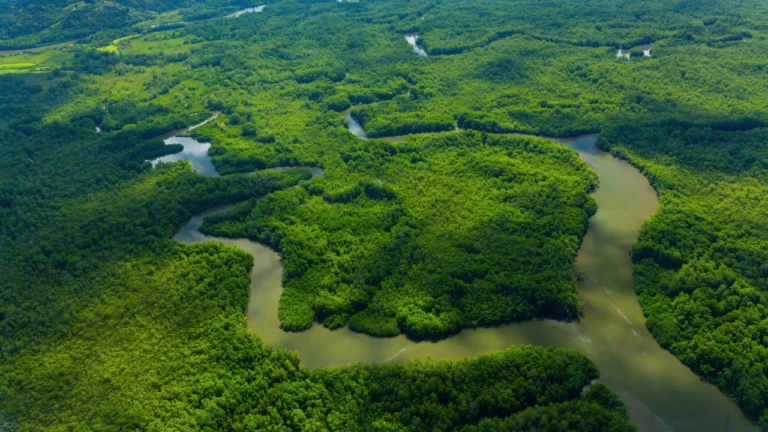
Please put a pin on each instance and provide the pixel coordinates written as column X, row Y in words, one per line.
column 660, row 392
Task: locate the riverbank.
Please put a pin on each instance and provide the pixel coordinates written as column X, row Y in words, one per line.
column 194, row 152
column 660, row 392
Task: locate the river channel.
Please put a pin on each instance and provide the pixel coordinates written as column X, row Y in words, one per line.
column 412, row 39
column 194, row 152
column 661, row 394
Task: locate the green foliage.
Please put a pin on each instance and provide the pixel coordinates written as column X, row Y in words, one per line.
column 339, row 102
column 103, row 317
column 399, row 124
column 700, row 261
column 30, row 23
column 442, row 232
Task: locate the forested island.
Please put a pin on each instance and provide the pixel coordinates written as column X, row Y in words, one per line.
column 107, row 323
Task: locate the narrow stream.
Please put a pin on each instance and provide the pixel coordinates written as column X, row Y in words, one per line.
column 661, row 394
column 352, row 125
column 412, row 39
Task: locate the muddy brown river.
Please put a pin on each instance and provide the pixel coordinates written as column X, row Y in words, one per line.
column 661, row 393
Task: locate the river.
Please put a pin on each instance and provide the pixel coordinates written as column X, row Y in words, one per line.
column 194, row 152
column 232, row 15
column 245, row 11
column 412, row 39
column 661, row 394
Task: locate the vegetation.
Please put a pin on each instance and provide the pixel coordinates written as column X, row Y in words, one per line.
column 86, row 225
column 30, row 23
column 437, row 234
column 103, row 317
column 701, row 267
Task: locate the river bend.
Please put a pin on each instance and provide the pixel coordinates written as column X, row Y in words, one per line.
column 661, row 393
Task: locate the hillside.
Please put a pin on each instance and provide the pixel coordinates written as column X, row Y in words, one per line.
column 31, row 23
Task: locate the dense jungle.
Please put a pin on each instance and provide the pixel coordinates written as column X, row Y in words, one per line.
column 454, row 213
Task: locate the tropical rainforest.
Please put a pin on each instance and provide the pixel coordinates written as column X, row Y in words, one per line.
column 107, row 323
column 402, row 253
column 31, row 23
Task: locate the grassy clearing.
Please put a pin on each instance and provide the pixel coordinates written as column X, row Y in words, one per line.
column 155, row 44
column 118, row 45
column 49, row 58
column 33, row 62
column 16, row 66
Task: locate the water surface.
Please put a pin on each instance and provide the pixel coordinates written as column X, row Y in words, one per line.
column 194, row 152
column 247, row 10
column 627, row 53
column 353, row 126
column 412, row 40
column 646, row 50
column 661, row 393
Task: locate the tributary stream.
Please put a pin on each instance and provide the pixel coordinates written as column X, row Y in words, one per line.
column 661, row 393
column 412, row 39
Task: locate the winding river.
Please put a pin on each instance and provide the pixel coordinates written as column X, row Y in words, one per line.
column 661, row 394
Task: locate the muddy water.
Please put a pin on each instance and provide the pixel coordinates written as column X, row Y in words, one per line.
column 661, row 393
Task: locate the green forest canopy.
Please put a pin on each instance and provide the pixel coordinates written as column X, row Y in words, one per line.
column 105, row 317
column 86, row 224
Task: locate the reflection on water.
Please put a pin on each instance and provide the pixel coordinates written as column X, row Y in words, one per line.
column 247, row 10
column 233, row 15
column 357, row 129
column 194, row 152
column 646, row 49
column 661, row 393
column 412, row 40
column 170, row 24
column 354, row 127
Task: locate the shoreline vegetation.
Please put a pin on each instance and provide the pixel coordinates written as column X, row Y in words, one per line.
column 103, row 316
